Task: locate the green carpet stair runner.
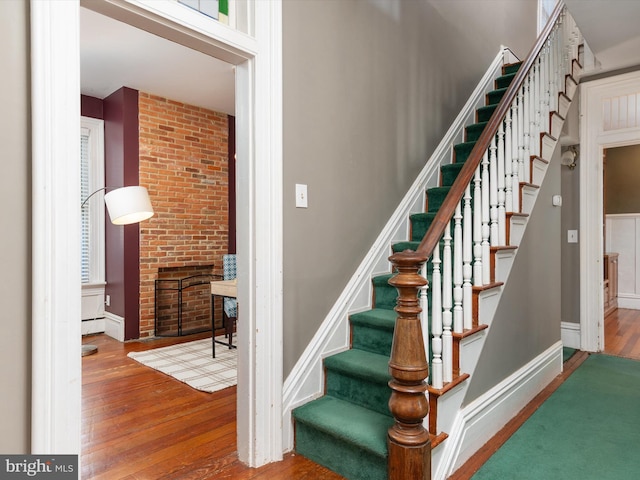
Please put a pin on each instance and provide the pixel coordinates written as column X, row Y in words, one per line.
column 346, row 429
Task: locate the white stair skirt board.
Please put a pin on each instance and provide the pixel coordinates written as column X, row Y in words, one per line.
column 570, row 334
column 571, row 87
column 504, row 261
column 556, row 125
column 518, row 224
column 485, row 416
column 548, row 146
column 538, row 170
column 563, row 106
column 529, row 195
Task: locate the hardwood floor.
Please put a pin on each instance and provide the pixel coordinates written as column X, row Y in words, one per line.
column 622, row 338
column 622, row 333
column 141, row 424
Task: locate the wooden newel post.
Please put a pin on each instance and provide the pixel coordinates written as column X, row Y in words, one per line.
column 408, row 441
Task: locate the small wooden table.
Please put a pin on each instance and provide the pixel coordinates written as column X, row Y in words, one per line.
column 221, row 288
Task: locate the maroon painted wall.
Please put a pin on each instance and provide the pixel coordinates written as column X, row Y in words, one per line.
column 122, row 247
column 91, row 107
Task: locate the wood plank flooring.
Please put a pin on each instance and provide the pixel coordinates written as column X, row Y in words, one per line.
column 622, row 333
column 141, row 424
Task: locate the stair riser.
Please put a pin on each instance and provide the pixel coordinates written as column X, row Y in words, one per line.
column 374, row 396
column 371, row 339
column 340, row 456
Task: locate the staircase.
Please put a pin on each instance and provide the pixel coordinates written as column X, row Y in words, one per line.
column 472, row 251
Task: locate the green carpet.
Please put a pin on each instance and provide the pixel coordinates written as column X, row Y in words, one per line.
column 588, row 429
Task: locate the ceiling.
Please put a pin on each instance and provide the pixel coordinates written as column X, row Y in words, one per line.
column 610, row 29
column 143, row 61
column 114, row 55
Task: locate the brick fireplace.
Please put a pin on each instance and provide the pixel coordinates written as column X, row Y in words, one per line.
column 183, row 155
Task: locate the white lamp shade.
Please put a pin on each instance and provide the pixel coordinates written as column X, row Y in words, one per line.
column 128, row 205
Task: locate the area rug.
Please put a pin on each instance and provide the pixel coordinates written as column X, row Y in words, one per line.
column 587, row 429
column 192, row 363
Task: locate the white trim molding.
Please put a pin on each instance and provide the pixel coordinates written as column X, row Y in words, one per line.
column 596, row 134
column 56, row 357
column 56, row 250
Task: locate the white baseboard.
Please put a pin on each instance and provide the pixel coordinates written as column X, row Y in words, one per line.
column 114, row 326
column 476, row 423
column 570, row 334
column 629, row 301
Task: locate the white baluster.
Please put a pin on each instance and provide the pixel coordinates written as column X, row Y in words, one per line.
column 467, row 270
column 447, row 303
column 508, row 163
column 436, row 320
column 477, row 229
column 546, row 95
column 534, row 113
column 515, row 155
column 502, row 231
column 522, row 134
column 526, row 124
column 486, row 230
column 457, row 270
column 493, row 192
column 553, row 73
column 424, row 315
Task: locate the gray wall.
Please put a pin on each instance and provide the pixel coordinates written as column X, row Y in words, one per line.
column 622, row 180
column 15, row 254
column 570, row 252
column 527, row 320
column 370, row 88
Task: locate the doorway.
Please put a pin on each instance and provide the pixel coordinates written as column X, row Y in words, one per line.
column 608, row 120
column 55, row 106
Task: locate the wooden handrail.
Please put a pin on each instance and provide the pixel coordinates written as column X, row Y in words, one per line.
column 446, row 210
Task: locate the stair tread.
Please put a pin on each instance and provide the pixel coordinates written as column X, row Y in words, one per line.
column 348, row 422
column 360, row 364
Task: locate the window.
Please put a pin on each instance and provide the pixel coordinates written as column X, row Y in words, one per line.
column 218, row 9
column 545, row 9
column 92, row 179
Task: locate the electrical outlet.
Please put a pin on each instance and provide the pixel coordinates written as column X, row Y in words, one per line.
column 107, row 300
column 301, row 196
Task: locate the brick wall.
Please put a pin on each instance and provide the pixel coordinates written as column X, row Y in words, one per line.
column 183, row 164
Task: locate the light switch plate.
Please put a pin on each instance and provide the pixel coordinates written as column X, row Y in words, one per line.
column 301, row 196
column 572, row 236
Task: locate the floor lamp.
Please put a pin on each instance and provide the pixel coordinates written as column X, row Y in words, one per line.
column 125, row 205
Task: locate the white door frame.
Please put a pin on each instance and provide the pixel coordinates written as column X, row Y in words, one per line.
column 597, row 132
column 56, row 359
